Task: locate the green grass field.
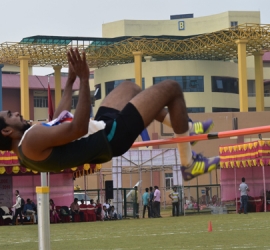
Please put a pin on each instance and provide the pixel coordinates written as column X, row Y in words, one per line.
column 230, row 231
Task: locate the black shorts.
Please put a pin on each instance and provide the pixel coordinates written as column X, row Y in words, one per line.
column 128, row 125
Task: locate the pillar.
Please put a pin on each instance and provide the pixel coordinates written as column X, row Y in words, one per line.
column 242, row 74
column 138, row 67
column 57, row 80
column 259, row 84
column 25, row 111
column 1, row 94
column 117, row 186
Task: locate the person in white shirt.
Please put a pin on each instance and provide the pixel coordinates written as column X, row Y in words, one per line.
column 107, row 204
column 104, row 214
column 157, row 202
column 113, row 214
column 18, row 209
column 244, row 196
column 175, row 201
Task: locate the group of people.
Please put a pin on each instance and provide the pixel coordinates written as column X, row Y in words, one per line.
column 27, row 209
column 151, row 202
column 102, row 212
column 108, row 212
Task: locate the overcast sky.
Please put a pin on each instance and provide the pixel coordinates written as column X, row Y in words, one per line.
column 23, row 18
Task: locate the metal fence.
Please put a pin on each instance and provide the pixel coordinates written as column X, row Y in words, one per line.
column 193, row 199
column 202, row 198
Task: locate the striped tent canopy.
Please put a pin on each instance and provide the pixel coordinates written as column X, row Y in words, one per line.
column 9, row 164
column 252, row 154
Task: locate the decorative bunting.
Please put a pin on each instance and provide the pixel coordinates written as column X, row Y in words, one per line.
column 249, row 154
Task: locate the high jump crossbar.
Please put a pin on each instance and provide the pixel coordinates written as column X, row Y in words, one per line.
column 203, row 137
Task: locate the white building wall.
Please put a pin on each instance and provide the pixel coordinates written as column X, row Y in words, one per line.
column 193, row 26
column 152, row 69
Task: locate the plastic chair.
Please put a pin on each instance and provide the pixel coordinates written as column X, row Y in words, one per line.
column 77, row 218
column 7, row 217
column 83, row 208
column 64, row 214
column 259, row 204
column 91, row 213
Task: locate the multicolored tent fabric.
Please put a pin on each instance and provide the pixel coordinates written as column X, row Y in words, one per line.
column 252, row 154
column 9, row 164
column 240, row 160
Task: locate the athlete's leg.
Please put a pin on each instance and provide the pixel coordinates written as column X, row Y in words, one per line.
column 121, row 95
column 195, row 128
column 150, row 104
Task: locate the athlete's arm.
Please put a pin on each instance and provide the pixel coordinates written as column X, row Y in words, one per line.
column 65, row 103
column 40, row 140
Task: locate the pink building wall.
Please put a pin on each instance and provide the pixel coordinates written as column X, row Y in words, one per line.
column 61, row 187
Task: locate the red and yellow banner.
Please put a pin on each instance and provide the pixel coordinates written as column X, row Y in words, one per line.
column 252, row 154
column 9, row 164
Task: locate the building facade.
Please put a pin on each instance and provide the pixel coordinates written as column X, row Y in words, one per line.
column 208, row 85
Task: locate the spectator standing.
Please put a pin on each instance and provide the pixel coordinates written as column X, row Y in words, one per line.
column 28, row 210
column 145, row 200
column 175, row 201
column 151, row 202
column 18, row 209
column 75, row 209
column 157, row 202
column 244, row 196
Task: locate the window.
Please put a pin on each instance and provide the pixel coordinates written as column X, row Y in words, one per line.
column 109, row 86
column 169, row 180
column 234, row 24
column 187, row 83
column 225, row 110
column 40, row 101
column 196, row 110
column 225, row 84
column 91, row 76
column 97, row 93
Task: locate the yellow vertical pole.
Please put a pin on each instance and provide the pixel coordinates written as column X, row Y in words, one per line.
column 25, row 111
column 242, row 74
column 138, row 67
column 57, row 80
column 259, row 81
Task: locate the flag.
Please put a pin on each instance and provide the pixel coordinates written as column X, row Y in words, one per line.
column 145, row 136
column 50, row 105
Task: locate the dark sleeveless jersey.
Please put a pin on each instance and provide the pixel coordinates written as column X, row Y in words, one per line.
column 94, row 148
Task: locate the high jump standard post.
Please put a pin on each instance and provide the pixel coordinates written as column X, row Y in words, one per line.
column 43, row 212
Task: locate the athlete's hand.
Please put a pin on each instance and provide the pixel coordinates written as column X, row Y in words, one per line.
column 71, row 74
column 78, row 63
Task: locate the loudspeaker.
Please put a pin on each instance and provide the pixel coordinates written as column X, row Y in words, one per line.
column 109, row 189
